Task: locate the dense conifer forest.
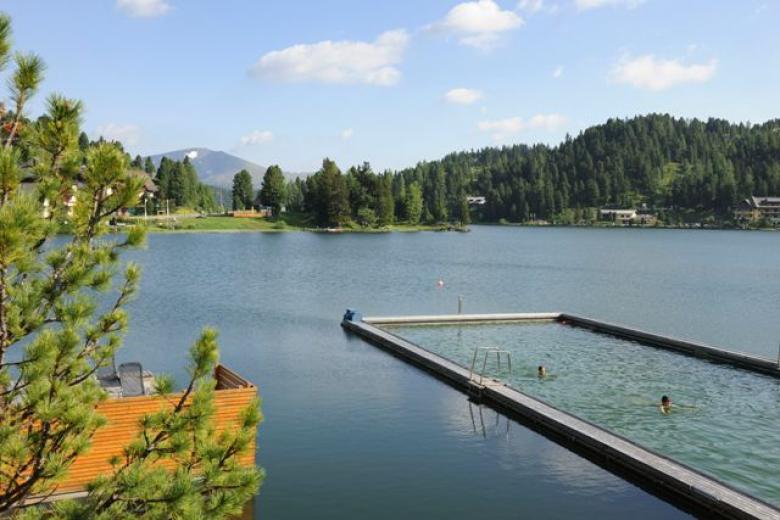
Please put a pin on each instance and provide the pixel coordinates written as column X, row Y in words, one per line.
column 674, row 166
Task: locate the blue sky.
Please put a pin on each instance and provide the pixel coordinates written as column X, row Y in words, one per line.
column 395, row 82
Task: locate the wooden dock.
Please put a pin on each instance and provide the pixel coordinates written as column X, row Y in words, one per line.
column 684, row 485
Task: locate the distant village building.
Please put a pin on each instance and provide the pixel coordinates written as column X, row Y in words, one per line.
column 261, row 211
column 146, row 199
column 148, row 191
column 755, row 208
column 476, row 200
column 29, row 185
column 619, row 216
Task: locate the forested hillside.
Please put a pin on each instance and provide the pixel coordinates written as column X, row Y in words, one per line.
column 664, row 162
column 675, row 166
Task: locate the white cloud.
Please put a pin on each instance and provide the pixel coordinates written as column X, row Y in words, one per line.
column 128, row 135
column 337, row 62
column 584, row 5
column 649, row 72
column 501, row 129
column 347, row 134
column 143, row 8
column 531, row 6
column 463, row 96
column 557, row 72
column 479, row 23
column 257, row 137
column 192, row 155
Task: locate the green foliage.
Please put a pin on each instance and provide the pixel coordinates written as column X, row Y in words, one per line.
column 366, row 217
column 243, row 193
column 273, row 191
column 413, row 203
column 295, row 197
column 178, row 183
column 385, row 204
column 207, row 481
column 328, row 197
column 62, row 317
column 149, row 166
column 670, row 164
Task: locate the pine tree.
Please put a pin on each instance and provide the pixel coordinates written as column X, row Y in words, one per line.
column 56, row 331
column 149, row 166
column 243, row 193
column 332, row 199
column 413, row 205
column 385, row 204
column 272, row 192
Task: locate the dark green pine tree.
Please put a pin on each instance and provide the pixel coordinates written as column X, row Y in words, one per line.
column 243, row 193
column 149, row 166
column 332, row 200
column 273, row 191
column 385, row 203
column 413, row 204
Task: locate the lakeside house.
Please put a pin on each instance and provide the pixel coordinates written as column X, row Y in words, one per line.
column 629, row 216
column 754, row 209
column 29, row 185
column 147, row 197
column 260, row 212
column 619, row 216
column 476, row 200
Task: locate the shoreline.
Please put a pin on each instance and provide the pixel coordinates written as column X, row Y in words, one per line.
column 223, row 224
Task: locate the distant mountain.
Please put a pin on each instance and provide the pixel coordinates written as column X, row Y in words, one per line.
column 215, row 168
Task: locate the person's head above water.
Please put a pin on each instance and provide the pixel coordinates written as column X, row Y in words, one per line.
column 541, row 371
column 665, row 401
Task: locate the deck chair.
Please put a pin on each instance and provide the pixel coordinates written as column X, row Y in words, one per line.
column 131, row 378
column 108, row 374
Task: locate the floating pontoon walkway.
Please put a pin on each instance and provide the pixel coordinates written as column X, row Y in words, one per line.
column 681, row 482
column 700, row 350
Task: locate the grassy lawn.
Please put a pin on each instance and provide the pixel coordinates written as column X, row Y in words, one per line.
column 288, row 222
column 221, row 224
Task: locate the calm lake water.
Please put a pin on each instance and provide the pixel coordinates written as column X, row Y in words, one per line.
column 352, row 432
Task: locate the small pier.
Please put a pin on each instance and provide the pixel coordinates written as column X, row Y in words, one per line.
column 668, row 478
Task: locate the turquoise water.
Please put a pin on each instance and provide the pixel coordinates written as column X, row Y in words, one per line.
column 351, row 432
column 728, row 426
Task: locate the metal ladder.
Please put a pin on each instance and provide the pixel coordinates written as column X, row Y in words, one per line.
column 488, row 352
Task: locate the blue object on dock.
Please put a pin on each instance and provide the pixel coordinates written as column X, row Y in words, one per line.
column 352, row 315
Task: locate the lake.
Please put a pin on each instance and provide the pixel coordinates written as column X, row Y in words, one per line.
column 353, row 432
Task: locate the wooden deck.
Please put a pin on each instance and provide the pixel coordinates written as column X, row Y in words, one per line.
column 684, row 484
column 233, row 394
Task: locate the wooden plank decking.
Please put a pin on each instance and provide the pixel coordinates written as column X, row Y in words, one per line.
column 685, row 484
column 123, row 417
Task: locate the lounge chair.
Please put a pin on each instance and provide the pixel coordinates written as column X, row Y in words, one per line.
column 108, row 374
column 131, row 378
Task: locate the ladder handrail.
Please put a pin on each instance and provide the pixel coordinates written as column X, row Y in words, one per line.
column 487, row 352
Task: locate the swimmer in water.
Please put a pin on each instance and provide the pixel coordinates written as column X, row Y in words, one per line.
column 541, row 372
column 666, row 405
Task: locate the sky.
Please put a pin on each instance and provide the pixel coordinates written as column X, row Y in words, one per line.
column 394, row 82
